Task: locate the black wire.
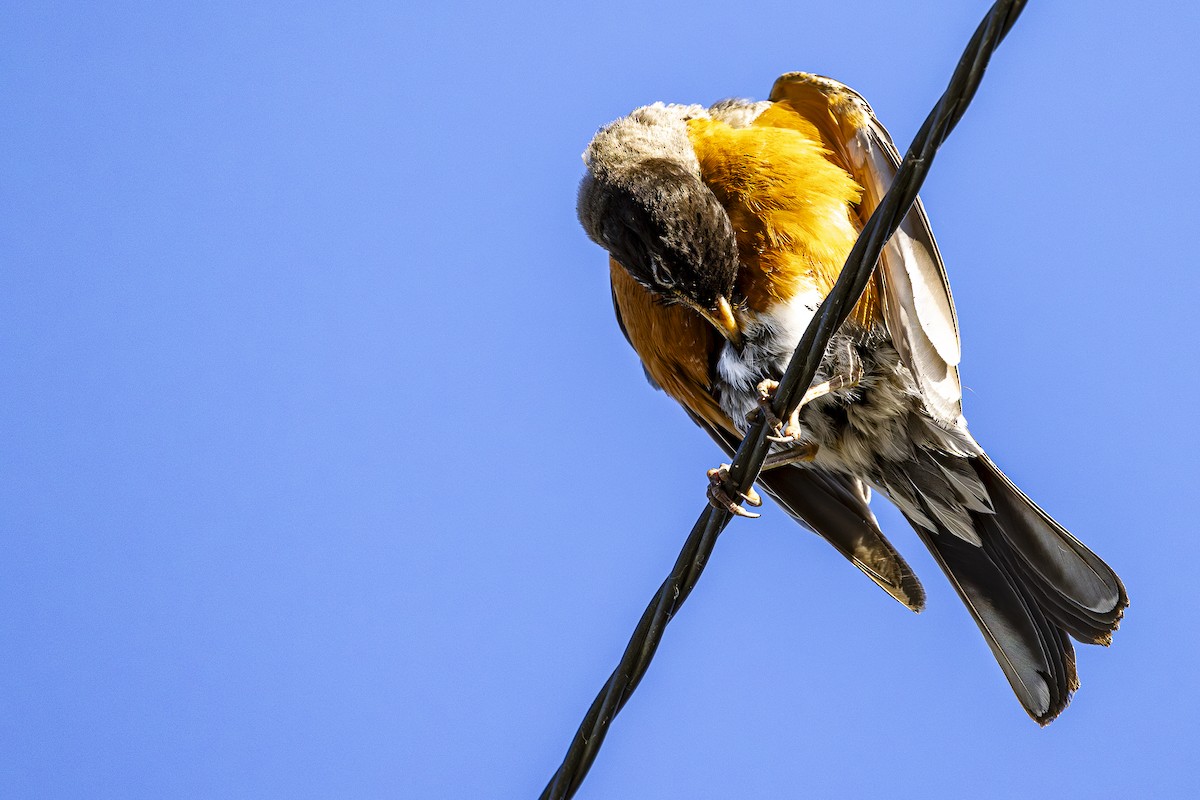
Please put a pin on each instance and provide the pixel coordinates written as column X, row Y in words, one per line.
column 799, row 375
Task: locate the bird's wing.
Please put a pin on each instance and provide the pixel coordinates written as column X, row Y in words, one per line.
column 677, row 348
column 918, row 308
column 836, row 508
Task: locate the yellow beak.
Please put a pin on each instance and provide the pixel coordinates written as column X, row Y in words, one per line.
column 723, row 320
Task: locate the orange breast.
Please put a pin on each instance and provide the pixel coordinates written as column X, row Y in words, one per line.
column 675, row 343
column 792, row 208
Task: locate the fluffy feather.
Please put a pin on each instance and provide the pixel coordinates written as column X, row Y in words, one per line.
column 797, row 178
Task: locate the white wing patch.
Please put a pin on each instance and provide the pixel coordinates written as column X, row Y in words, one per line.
column 917, row 304
column 913, row 246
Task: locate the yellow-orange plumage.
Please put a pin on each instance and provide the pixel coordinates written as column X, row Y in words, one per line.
column 675, row 343
column 791, row 206
column 789, row 201
column 791, row 183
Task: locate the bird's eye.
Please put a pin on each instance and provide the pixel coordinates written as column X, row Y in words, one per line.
column 661, row 272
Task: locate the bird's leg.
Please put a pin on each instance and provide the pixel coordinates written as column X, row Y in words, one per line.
column 799, row 453
column 791, row 432
column 721, row 494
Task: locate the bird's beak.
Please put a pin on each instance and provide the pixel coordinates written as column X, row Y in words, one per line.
column 722, row 318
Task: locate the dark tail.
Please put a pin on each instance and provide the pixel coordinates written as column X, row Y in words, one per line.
column 1029, row 585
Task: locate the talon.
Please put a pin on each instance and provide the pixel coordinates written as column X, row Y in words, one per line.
column 845, row 380
column 719, row 494
column 766, row 389
column 766, row 393
column 856, row 369
column 791, row 433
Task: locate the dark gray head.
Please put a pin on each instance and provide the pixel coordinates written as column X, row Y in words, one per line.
column 643, row 201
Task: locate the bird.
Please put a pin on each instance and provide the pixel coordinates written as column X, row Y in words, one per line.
column 725, row 227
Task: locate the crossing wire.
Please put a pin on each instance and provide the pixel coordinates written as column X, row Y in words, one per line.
column 799, row 375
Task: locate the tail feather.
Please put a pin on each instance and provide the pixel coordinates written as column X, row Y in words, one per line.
column 1061, row 562
column 1054, row 638
column 1038, row 663
column 1083, row 625
column 1028, row 584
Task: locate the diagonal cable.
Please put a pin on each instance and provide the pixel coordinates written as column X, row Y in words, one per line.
column 799, row 375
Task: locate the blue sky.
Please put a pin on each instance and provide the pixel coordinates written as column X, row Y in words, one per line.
column 328, row 474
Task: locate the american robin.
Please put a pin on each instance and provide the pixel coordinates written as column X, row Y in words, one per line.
column 726, row 227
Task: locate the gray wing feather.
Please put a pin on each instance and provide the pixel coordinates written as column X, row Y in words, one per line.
column 835, row 508
column 918, row 308
column 917, row 303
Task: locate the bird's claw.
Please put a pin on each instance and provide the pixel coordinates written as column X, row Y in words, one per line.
column 721, row 494
column 789, row 433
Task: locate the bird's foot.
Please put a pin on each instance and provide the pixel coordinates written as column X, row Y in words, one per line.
column 721, row 494
column 790, row 433
column 783, row 433
column 804, row 453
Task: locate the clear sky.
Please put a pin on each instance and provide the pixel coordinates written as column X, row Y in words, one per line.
column 327, row 474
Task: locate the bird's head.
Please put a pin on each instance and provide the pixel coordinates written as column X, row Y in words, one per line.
column 643, row 201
